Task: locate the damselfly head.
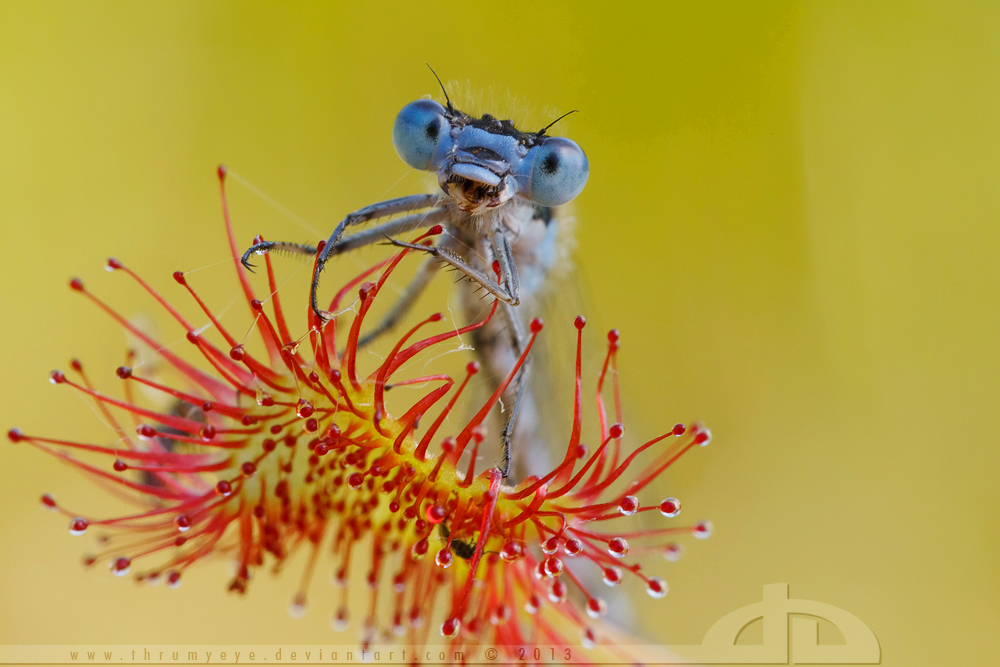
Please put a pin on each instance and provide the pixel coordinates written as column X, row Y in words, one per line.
column 484, row 162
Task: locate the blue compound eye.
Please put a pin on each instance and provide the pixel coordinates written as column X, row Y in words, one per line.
column 418, row 129
column 559, row 170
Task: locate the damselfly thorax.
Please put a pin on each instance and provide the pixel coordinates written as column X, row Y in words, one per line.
column 499, row 188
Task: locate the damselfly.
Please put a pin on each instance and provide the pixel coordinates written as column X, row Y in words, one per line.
column 499, row 187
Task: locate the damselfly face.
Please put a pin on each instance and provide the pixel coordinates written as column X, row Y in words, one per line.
column 482, row 163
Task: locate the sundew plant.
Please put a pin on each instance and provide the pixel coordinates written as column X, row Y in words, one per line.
column 295, row 450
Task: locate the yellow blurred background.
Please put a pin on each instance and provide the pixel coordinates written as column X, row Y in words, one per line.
column 792, row 218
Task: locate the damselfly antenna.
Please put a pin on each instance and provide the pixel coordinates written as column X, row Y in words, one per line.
column 451, row 109
column 542, row 131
